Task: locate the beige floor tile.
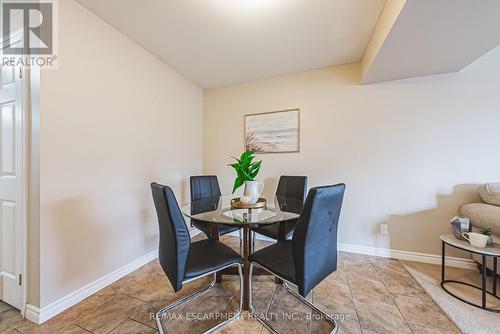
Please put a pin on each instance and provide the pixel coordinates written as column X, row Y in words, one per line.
column 17, row 323
column 9, row 317
column 232, row 242
column 262, row 294
column 333, row 292
column 74, row 329
column 381, row 318
column 348, row 327
column 133, row 327
column 10, row 331
column 339, row 276
column 134, row 278
column 421, row 310
column 346, row 323
column 122, row 284
column 152, row 267
column 320, row 325
column 146, row 314
column 105, row 294
column 354, row 259
column 62, row 322
column 243, row 325
column 382, row 265
column 400, row 284
column 360, row 270
column 259, row 244
column 285, row 299
column 288, row 321
column 429, row 330
column 109, row 315
column 231, row 284
column 5, row 309
column 367, row 290
column 337, row 312
column 215, row 300
column 150, row 287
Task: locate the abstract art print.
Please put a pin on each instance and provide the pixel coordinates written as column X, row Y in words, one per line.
column 273, row 132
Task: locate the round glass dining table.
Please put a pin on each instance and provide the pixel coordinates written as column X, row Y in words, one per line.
column 217, row 210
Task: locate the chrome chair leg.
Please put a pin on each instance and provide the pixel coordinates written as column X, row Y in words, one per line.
column 161, row 313
column 262, row 319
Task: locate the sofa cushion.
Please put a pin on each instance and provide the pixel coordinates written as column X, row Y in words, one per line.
column 490, row 193
column 483, row 215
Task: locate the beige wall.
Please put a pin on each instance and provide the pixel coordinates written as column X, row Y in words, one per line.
column 113, row 119
column 410, row 152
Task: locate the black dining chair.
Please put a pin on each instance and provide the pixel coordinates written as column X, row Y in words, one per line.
column 184, row 261
column 294, row 187
column 207, row 186
column 311, row 255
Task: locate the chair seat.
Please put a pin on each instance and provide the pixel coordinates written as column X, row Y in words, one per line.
column 272, row 231
column 205, row 227
column 209, row 255
column 278, row 259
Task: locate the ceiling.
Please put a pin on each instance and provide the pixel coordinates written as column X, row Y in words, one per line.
column 425, row 37
column 221, row 42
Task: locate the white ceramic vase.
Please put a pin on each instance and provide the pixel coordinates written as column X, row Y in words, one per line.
column 253, row 190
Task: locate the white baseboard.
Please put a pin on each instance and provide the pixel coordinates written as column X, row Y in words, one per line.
column 32, row 313
column 408, row 256
column 39, row 316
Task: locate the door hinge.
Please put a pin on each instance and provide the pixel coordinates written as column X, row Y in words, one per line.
column 20, row 279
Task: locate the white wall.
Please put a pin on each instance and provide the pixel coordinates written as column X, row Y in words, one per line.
column 411, row 152
column 113, row 119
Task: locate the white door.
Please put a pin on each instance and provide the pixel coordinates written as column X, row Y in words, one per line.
column 12, row 200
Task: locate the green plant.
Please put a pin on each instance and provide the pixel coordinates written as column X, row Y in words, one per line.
column 246, row 169
column 486, row 231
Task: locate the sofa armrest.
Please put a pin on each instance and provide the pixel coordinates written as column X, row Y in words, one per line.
column 483, row 215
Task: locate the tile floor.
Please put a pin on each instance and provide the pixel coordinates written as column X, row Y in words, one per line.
column 366, row 295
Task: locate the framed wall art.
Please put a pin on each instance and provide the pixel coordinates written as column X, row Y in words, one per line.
column 273, row 132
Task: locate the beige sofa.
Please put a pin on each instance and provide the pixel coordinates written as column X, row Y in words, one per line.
column 487, row 214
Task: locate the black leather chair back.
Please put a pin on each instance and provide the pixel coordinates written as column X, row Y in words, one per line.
column 204, row 186
column 174, row 235
column 314, row 243
column 292, row 186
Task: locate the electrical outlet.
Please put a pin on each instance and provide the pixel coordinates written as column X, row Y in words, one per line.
column 384, row 229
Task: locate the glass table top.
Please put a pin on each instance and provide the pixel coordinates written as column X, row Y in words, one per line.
column 218, row 210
